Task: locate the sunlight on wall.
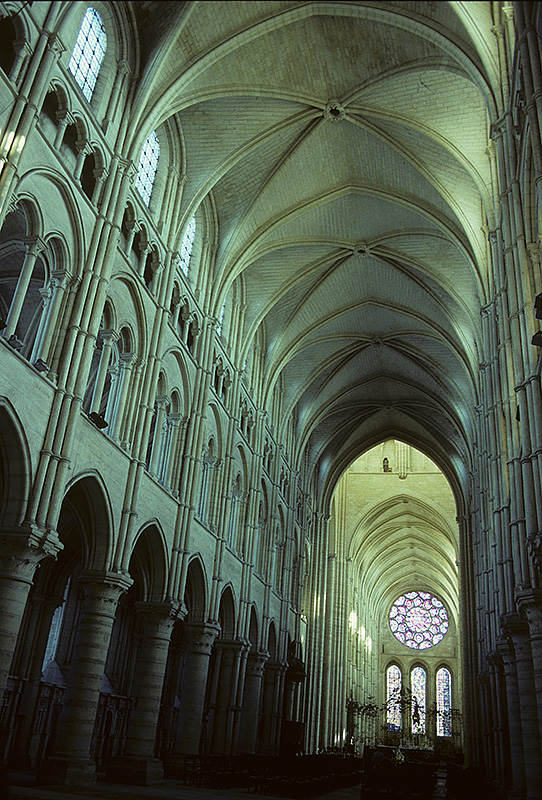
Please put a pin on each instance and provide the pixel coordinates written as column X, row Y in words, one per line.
column 317, row 601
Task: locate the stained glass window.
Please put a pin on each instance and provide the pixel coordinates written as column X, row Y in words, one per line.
column 418, row 684
column 393, row 695
column 88, row 52
column 444, row 702
column 187, row 245
column 221, row 320
column 148, row 163
column 418, row 620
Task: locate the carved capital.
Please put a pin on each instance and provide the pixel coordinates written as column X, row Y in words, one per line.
column 158, row 618
column 256, row 664
column 200, row 637
column 103, row 590
column 19, row 560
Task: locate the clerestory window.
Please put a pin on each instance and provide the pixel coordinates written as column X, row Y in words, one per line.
column 187, row 245
column 148, row 164
column 88, row 52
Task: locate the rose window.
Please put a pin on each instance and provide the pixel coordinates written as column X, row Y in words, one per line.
column 418, row 620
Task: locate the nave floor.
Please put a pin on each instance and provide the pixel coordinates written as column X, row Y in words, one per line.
column 167, row 790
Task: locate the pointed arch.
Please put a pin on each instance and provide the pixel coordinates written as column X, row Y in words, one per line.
column 15, row 467
column 149, row 562
column 272, row 647
column 227, row 613
column 253, row 628
column 86, row 512
column 195, row 591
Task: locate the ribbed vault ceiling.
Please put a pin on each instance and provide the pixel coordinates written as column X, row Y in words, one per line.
column 344, row 145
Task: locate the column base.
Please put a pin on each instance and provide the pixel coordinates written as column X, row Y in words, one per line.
column 180, row 767
column 135, row 770
column 20, row 762
column 67, row 771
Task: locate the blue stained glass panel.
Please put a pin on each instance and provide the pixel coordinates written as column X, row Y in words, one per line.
column 418, row 681
column 444, row 702
column 393, row 697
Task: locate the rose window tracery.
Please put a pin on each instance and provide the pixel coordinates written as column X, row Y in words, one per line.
column 418, row 620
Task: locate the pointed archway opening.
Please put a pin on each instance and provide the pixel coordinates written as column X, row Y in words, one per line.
column 394, row 522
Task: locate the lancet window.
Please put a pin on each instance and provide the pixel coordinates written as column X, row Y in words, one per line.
column 444, row 702
column 418, row 683
column 394, row 682
column 88, row 52
column 187, row 246
column 148, row 164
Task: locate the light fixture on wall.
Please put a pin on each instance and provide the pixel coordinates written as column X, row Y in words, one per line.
column 98, row 420
column 537, row 339
column 41, row 366
column 538, row 306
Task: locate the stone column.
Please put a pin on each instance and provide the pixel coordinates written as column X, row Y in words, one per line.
column 22, row 117
column 52, row 296
column 125, row 371
column 174, row 425
column 35, row 644
column 199, row 642
column 517, row 790
column 497, row 713
column 109, row 337
column 144, row 250
column 84, row 149
column 272, row 695
column 100, row 178
column 161, row 403
column 23, row 51
column 138, row 764
column 18, row 562
column 64, row 118
column 519, row 635
column 250, row 714
column 69, row 761
column 530, row 604
column 123, row 69
column 133, row 228
column 35, row 247
column 226, row 697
